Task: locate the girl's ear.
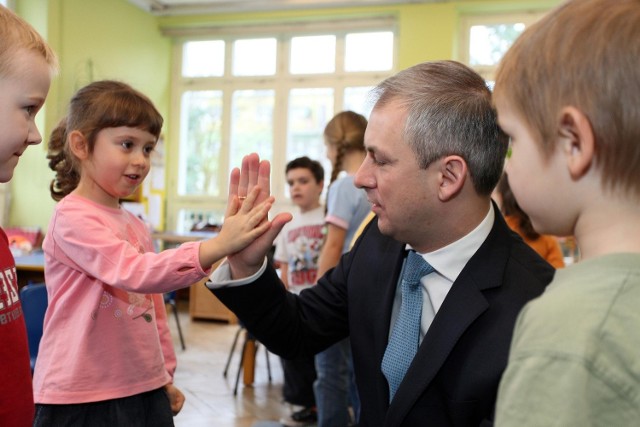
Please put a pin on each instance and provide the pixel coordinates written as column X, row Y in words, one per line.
column 78, row 145
column 578, row 141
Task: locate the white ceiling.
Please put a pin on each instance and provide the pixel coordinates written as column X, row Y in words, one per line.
column 183, row 7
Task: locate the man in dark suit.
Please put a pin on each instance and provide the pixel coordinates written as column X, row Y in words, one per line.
column 435, row 153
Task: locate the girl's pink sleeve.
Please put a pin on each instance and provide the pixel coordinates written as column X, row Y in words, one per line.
column 92, row 246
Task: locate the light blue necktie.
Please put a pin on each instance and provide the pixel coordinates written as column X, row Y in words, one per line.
column 405, row 337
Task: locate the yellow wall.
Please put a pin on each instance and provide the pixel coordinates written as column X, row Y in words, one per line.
column 94, row 39
column 98, row 39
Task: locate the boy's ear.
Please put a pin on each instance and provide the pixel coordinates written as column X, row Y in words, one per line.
column 578, row 141
column 78, row 145
column 453, row 173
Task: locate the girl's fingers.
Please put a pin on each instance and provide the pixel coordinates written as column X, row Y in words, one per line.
column 260, row 229
column 233, row 206
column 232, row 198
column 251, row 200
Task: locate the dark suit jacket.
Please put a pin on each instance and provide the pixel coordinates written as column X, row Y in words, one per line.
column 454, row 377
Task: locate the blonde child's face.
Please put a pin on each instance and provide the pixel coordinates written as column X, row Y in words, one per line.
column 537, row 181
column 332, row 152
column 22, row 94
column 120, row 161
column 305, row 191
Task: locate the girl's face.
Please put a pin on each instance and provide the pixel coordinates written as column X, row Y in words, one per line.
column 22, row 93
column 332, row 152
column 120, row 161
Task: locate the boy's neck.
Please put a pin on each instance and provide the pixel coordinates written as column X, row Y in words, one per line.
column 613, row 228
column 309, row 208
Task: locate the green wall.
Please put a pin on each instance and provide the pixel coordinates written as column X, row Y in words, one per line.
column 94, row 39
column 98, row 39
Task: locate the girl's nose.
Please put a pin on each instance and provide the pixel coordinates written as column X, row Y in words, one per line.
column 139, row 158
column 34, row 137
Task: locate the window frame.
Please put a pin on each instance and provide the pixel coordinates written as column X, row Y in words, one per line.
column 282, row 82
column 470, row 20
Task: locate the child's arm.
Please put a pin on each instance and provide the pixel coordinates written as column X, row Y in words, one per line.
column 164, row 333
column 332, row 249
column 116, row 249
column 170, row 361
column 176, row 398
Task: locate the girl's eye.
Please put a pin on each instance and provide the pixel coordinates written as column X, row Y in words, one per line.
column 127, row 144
column 31, row 110
column 148, row 149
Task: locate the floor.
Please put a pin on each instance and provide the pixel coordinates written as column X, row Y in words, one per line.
column 209, row 396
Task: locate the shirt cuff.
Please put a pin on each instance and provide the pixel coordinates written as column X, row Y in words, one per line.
column 221, row 277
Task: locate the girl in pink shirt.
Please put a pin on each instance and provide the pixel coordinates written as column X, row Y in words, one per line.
column 106, row 357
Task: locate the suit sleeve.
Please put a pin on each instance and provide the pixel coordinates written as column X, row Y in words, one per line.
column 291, row 325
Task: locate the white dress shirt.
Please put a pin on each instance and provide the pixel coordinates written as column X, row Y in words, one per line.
column 447, row 262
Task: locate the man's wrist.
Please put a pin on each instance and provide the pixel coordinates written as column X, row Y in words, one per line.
column 242, row 272
column 222, row 276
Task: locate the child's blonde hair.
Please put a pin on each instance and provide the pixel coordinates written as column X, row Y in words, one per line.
column 99, row 105
column 16, row 34
column 585, row 54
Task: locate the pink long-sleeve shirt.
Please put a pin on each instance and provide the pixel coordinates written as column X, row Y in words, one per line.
column 105, row 331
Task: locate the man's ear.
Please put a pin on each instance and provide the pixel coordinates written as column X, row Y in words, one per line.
column 78, row 145
column 578, row 141
column 453, row 173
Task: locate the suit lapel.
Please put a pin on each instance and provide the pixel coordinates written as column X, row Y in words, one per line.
column 387, row 277
column 464, row 303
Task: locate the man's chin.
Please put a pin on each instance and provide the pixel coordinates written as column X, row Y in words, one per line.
column 385, row 227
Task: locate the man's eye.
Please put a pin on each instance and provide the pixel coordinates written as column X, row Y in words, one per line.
column 378, row 161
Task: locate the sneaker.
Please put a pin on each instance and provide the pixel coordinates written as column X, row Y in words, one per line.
column 302, row 418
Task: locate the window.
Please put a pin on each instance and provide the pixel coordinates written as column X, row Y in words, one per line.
column 486, row 38
column 270, row 93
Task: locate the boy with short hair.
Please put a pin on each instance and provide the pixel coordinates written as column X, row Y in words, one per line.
column 567, row 94
column 27, row 65
column 297, row 250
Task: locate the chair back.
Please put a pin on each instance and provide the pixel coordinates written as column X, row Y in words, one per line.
column 34, row 305
column 170, row 297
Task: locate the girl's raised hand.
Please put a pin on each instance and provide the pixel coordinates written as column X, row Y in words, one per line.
column 245, row 220
column 254, row 174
